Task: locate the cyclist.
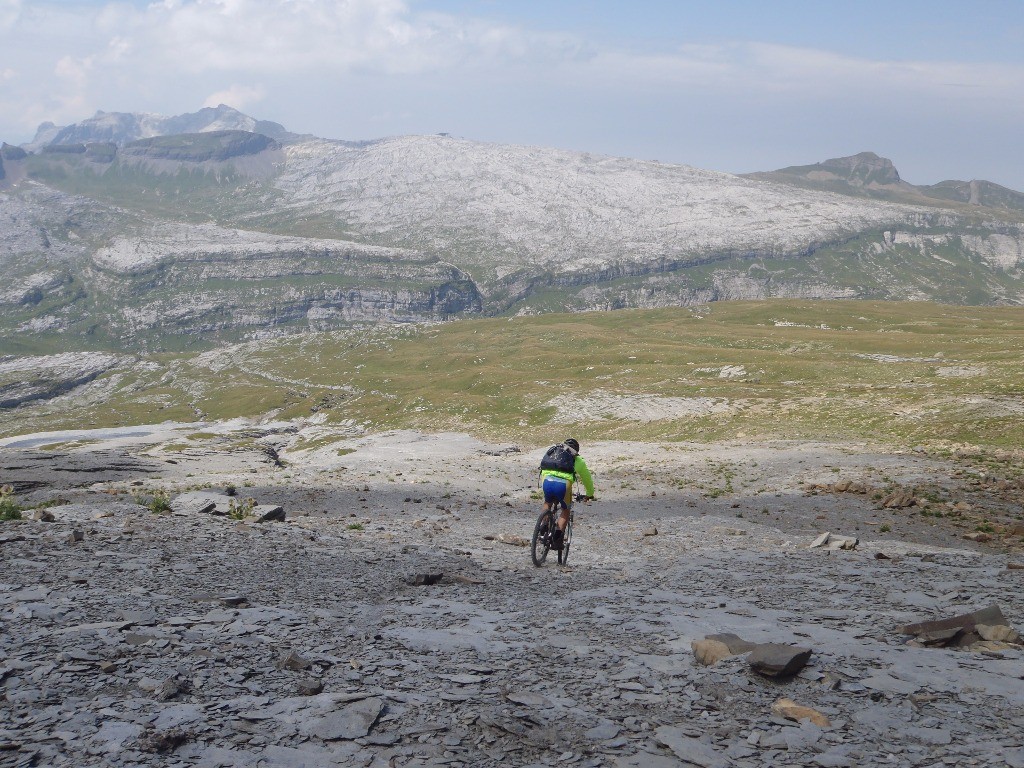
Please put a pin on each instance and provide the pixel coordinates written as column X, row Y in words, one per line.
column 559, row 468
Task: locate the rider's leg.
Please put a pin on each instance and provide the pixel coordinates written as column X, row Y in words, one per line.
column 563, row 519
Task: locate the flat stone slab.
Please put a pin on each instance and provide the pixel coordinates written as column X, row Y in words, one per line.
column 268, row 513
column 603, row 732
column 690, row 750
column 992, row 615
column 201, row 503
column 351, row 722
column 886, row 683
column 30, row 470
column 527, row 699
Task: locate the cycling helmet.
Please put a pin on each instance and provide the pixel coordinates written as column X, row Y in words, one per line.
column 573, row 443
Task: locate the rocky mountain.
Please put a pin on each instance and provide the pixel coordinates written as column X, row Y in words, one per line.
column 980, row 193
column 124, row 127
column 873, row 176
column 109, row 240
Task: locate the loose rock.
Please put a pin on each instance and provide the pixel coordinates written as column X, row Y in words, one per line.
column 778, row 660
column 790, row 710
column 294, row 662
column 512, row 540
column 423, row 579
column 309, row 687
column 714, row 648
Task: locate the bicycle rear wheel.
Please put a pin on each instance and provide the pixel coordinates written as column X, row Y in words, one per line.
column 563, row 556
column 541, row 543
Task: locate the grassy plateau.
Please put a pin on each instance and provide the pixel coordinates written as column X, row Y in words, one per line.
column 896, row 373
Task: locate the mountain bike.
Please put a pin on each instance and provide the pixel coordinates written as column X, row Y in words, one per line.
column 540, row 545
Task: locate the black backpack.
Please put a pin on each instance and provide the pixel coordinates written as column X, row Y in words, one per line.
column 560, row 458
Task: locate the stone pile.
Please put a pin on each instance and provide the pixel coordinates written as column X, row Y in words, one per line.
column 985, row 630
column 775, row 660
column 831, row 541
column 224, row 504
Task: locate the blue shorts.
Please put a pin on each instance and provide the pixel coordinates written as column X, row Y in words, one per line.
column 557, row 490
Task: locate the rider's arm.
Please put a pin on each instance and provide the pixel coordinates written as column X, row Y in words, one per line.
column 580, row 467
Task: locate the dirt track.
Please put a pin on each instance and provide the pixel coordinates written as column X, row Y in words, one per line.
column 160, row 640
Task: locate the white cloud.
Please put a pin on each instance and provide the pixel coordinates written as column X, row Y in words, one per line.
column 336, row 64
column 73, row 71
column 291, row 36
column 237, row 96
column 119, row 55
column 9, row 13
column 765, row 69
column 301, row 35
column 329, row 39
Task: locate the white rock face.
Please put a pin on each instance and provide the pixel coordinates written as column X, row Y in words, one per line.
column 68, row 362
column 24, row 379
column 17, row 233
column 183, row 242
column 1001, row 251
column 567, row 210
column 20, row 289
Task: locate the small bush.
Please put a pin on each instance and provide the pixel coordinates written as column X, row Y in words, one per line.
column 885, row 528
column 239, row 510
column 9, row 508
column 354, row 526
column 159, row 503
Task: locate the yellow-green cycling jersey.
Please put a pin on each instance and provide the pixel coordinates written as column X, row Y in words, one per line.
column 580, row 470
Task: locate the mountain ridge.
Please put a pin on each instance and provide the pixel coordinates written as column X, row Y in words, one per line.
column 122, row 128
column 868, row 174
column 863, row 169
column 470, row 228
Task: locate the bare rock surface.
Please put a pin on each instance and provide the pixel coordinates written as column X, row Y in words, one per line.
column 203, row 640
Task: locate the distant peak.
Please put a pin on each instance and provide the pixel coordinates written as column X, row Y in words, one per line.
column 867, row 167
column 122, row 128
column 866, row 157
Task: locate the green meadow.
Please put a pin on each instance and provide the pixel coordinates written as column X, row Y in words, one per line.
column 895, row 373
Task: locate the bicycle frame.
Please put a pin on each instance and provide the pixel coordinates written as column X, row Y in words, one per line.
column 543, row 530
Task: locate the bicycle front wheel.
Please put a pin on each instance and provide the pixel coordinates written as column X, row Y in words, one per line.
column 541, row 543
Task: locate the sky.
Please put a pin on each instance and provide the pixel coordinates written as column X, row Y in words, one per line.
column 729, row 85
